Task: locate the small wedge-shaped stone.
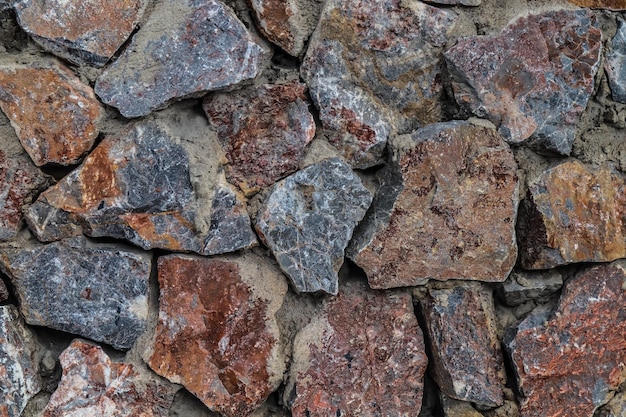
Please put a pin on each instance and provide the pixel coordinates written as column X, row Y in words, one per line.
column 82, row 31
column 98, row 291
column 615, row 63
column 573, row 213
column 445, row 209
column 217, row 333
column 187, row 48
column 568, row 361
column 19, row 363
column 308, row 219
column 93, row 385
column 374, row 69
column 362, row 354
column 522, row 286
column 54, row 114
column 601, row 4
column 534, row 79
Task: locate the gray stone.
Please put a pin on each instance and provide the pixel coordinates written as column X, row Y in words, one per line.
column 522, row 286
column 456, row 2
column 308, row 219
column 4, row 292
column 615, row 63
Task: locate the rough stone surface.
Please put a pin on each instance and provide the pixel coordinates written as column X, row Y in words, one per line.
column 574, row 213
column 522, row 286
column 93, row 385
column 307, row 222
column 263, row 132
column 534, row 79
column 82, row 31
column 569, row 360
column 455, row 408
column 363, row 354
column 53, row 113
column 615, row 63
column 467, row 361
column 423, row 221
column 19, row 363
column 601, row 4
column 457, row 2
column 4, row 292
column 97, row 291
column 615, row 408
column 374, row 69
column 185, row 49
column 217, row 334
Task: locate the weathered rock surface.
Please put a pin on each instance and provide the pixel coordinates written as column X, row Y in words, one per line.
column 53, row 113
column 522, row 286
column 4, row 292
column 455, row 408
column 614, row 408
column 423, row 223
column 374, row 69
column 19, row 363
column 615, row 62
column 263, row 132
column 467, row 361
column 534, row 79
column 185, row 49
column 82, row 31
column 456, row 2
column 307, row 222
column 217, row 334
column 93, row 385
column 362, row 354
column 601, row 4
column 574, row 213
column 97, row 291
column 569, row 360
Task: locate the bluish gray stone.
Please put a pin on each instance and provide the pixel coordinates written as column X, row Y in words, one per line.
column 615, row 64
column 522, row 286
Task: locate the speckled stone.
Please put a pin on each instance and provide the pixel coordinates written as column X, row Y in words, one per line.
column 601, row 4
column 185, row 49
column 308, row 219
column 615, row 62
column 98, row 291
column 424, row 224
column 522, row 286
column 534, row 79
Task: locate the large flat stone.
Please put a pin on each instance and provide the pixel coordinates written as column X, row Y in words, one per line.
column 615, row 62
column 424, row 221
column 533, row 80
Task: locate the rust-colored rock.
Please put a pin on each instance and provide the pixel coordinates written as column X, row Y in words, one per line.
column 573, row 213
column 362, row 354
column 601, row 4
column 217, row 334
column 569, row 360
column 445, row 209
column 53, row 113
column 263, row 132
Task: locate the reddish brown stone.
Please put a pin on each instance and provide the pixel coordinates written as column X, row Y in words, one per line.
column 217, row 334
column 569, row 360
column 93, row 385
column 601, row 4
column 574, row 213
column 424, row 224
column 362, row 354
column 263, row 132
column 53, row 113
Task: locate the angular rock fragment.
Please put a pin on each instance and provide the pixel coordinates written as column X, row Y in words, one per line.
column 573, row 357
column 185, row 49
column 522, row 286
column 455, row 408
column 573, row 213
column 614, row 408
column 82, row 31
column 217, row 334
column 93, row 385
column 98, row 291
column 467, row 361
column 374, row 69
column 4, row 292
column 534, row 79
column 423, row 223
column 263, row 132
column 615, row 63
column 19, row 363
column 362, row 354
column 601, row 4
column 308, row 219
column 53, row 113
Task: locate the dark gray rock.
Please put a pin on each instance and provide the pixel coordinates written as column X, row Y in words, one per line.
column 522, row 286
column 615, row 63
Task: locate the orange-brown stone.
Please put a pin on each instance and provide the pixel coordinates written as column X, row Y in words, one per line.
column 601, row 4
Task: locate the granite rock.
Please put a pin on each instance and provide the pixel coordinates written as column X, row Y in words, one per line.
column 82, row 31
column 93, row 385
column 99, row 291
column 522, row 286
column 601, row 4
column 19, row 363
column 570, row 359
column 217, row 333
column 54, row 114
column 533, row 80
column 185, row 49
column 362, row 354
column 423, row 221
column 374, row 69
column 615, row 62
column 263, row 132
column 307, row 222
column 573, row 213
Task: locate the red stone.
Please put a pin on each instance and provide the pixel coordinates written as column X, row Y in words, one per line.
column 601, row 4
